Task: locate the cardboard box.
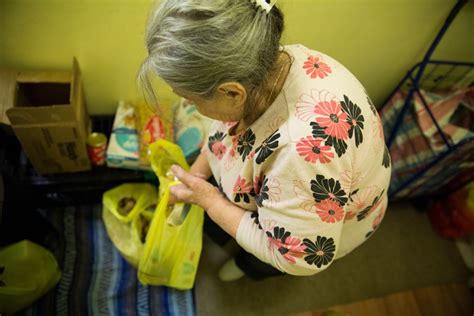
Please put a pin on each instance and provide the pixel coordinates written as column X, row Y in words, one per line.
column 47, row 112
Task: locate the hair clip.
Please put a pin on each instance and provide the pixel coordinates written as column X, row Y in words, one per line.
column 267, row 6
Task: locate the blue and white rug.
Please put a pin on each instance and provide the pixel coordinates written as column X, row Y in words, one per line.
column 96, row 280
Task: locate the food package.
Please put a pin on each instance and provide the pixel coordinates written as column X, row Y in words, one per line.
column 128, row 200
column 190, row 128
column 123, row 149
column 127, row 213
column 152, row 124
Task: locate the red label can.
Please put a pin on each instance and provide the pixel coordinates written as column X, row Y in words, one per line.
column 97, row 147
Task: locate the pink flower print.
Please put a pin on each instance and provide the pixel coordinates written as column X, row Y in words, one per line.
column 269, row 192
column 289, row 247
column 361, row 199
column 251, row 154
column 233, row 155
column 378, row 219
column 370, row 209
column 315, row 67
column 377, row 134
column 379, row 128
column 329, row 211
column 303, row 193
column 350, row 179
column 218, row 149
column 361, row 202
column 307, row 103
column 230, row 160
column 293, row 249
column 242, row 186
column 313, row 150
column 273, row 190
column 349, row 215
column 257, row 184
column 331, row 117
column 242, row 190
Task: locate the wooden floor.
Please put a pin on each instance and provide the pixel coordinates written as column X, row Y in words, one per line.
column 448, row 300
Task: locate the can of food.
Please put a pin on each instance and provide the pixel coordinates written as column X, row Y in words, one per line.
column 96, row 147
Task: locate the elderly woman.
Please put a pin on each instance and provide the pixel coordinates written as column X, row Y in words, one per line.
column 296, row 149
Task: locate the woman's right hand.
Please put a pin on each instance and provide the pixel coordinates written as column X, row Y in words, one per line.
column 200, row 168
column 173, row 199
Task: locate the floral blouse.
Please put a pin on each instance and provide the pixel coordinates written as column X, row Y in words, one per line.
column 312, row 171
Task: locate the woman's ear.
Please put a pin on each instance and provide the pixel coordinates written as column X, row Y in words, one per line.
column 234, row 92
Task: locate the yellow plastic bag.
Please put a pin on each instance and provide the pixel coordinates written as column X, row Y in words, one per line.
column 127, row 236
column 27, row 272
column 122, row 236
column 127, row 200
column 171, row 253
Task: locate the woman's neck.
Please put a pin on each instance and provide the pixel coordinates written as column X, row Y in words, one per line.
column 267, row 94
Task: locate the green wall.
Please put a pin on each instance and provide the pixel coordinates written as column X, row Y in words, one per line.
column 378, row 40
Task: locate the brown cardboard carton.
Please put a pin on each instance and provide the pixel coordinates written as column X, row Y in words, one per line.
column 47, row 112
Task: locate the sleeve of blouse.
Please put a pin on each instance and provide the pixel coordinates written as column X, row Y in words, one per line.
column 301, row 207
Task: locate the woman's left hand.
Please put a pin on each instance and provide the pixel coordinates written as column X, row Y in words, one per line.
column 194, row 190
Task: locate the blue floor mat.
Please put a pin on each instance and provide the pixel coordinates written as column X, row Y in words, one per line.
column 96, row 280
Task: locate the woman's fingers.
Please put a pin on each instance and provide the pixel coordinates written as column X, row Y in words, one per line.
column 182, row 193
column 184, row 176
column 193, row 189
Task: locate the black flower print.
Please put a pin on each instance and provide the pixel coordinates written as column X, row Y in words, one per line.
column 263, row 193
column 328, row 188
column 242, row 190
column 254, row 215
column 217, row 137
column 386, row 158
column 267, row 147
column 354, row 118
column 279, row 233
column 245, row 143
column 289, row 247
column 320, row 252
column 369, row 209
column 318, row 131
column 257, row 184
column 372, row 106
column 353, row 193
column 339, row 145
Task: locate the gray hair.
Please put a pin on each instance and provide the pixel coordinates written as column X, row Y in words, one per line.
column 196, row 45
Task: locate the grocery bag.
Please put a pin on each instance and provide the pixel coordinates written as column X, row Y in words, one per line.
column 171, row 253
column 27, row 272
column 127, row 200
column 128, row 231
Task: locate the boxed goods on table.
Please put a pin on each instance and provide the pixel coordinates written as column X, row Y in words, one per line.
column 47, row 112
column 153, row 124
column 190, row 128
column 136, row 126
column 123, row 148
